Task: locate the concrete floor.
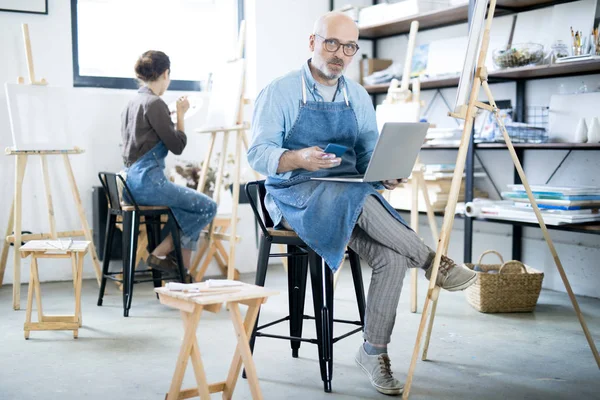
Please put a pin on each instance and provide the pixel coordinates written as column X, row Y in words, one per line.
column 473, row 355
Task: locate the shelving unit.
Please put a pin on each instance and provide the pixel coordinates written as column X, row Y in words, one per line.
column 449, row 16
column 509, row 74
column 457, row 15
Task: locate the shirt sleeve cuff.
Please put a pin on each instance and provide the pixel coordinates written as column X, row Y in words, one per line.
column 378, row 185
column 274, row 158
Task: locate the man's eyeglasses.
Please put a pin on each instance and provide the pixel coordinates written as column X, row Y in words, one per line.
column 333, row 45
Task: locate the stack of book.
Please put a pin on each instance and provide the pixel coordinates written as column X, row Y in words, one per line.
column 559, row 205
column 438, row 178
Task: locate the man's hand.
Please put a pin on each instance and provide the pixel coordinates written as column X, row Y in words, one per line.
column 392, row 184
column 311, row 159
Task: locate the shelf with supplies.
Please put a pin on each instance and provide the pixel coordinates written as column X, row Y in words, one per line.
column 523, row 146
column 528, row 72
column 447, row 16
column 592, row 228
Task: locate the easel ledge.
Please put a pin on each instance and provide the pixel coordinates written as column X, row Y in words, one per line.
column 9, row 151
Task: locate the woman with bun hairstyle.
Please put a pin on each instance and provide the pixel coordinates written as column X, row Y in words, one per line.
column 148, row 136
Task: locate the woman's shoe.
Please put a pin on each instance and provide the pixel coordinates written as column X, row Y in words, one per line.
column 167, row 265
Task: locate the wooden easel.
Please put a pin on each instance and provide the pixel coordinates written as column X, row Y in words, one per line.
column 403, row 94
column 467, row 113
column 14, row 220
column 215, row 234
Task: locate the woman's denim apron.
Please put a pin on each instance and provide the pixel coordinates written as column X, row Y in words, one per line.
column 150, row 187
column 322, row 213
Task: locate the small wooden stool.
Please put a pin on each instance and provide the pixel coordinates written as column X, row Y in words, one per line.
column 75, row 250
column 211, row 299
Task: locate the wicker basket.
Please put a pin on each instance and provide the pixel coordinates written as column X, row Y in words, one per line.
column 515, row 287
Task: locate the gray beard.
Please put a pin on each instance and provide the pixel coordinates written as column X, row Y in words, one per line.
column 327, row 77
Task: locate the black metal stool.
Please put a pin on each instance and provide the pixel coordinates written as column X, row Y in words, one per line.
column 132, row 216
column 300, row 258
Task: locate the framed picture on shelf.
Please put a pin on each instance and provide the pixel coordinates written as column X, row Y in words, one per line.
column 25, row 6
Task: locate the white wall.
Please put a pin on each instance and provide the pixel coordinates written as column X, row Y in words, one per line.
column 100, row 137
column 280, row 32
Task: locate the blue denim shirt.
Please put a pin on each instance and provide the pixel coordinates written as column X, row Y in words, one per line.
column 276, row 111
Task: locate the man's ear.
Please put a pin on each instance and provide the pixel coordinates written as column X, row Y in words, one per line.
column 311, row 43
column 167, row 73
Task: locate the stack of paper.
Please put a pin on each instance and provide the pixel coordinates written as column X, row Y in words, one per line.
column 558, row 205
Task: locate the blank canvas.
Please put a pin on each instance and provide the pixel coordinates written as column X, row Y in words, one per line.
column 225, row 95
column 473, row 44
column 39, row 117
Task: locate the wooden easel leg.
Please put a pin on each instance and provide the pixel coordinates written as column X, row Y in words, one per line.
column 209, row 255
column 46, row 177
column 21, row 163
column 542, row 224
column 430, row 213
column 446, row 226
column 234, row 211
column 436, row 293
column 205, row 165
column 189, row 339
column 29, row 302
column 198, row 257
column 197, row 364
column 242, row 352
column 5, row 244
column 84, row 222
column 414, row 224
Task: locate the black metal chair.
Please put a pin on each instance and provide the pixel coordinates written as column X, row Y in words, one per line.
column 300, row 258
column 131, row 217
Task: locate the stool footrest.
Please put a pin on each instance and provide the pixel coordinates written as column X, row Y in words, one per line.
column 193, row 392
column 59, row 318
column 51, row 326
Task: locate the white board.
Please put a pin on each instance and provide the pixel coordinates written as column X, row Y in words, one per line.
column 225, row 95
column 39, row 117
column 473, row 44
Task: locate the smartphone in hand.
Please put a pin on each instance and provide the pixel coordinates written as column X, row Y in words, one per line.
column 336, row 149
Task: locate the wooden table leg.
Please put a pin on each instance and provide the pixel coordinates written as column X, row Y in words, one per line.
column 189, row 339
column 242, row 353
column 36, row 287
column 78, row 284
column 21, row 163
column 29, row 303
column 197, row 362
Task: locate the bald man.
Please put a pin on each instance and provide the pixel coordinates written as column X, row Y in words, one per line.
column 296, row 116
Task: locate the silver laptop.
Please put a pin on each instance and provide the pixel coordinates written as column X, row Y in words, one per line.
column 394, row 155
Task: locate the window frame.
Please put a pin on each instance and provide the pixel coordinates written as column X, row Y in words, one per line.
column 125, row 83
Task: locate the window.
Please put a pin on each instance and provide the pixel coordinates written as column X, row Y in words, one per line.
column 109, row 35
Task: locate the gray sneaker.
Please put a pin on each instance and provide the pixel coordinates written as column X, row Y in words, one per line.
column 452, row 277
column 379, row 371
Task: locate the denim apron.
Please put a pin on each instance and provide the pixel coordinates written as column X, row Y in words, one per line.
column 150, row 187
column 324, row 213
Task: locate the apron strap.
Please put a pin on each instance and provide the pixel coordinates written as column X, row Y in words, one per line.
column 303, row 90
column 345, row 94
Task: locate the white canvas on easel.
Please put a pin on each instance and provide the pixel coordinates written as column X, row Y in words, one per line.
column 224, row 103
column 39, row 117
column 473, row 44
